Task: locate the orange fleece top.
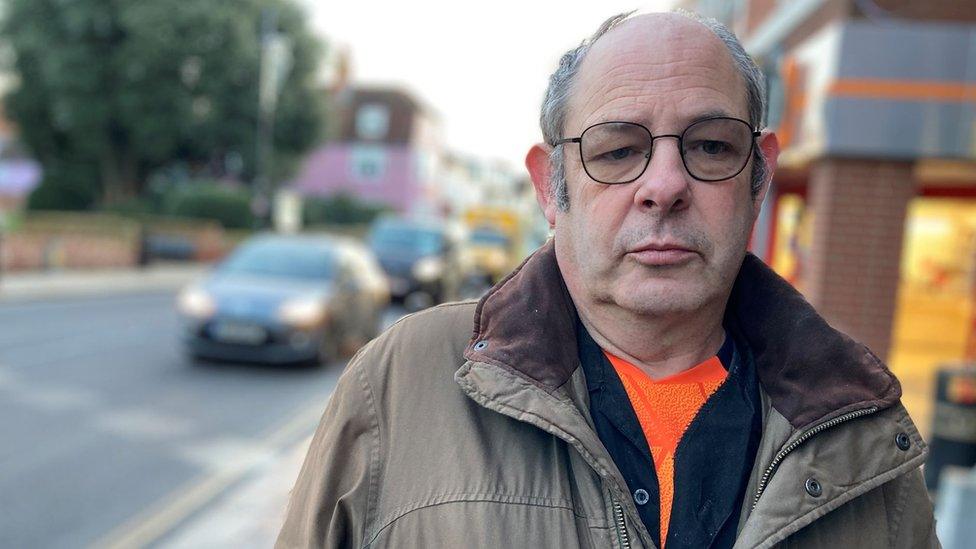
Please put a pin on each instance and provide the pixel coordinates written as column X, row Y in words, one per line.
column 665, row 407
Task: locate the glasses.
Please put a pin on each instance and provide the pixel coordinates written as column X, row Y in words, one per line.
column 712, row 149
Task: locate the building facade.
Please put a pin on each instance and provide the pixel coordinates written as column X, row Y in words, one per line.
column 872, row 212
column 874, row 103
column 385, row 149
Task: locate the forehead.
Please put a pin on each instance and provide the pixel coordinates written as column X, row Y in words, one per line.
column 661, row 70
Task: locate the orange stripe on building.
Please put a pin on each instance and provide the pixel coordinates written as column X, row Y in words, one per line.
column 904, row 90
column 794, row 78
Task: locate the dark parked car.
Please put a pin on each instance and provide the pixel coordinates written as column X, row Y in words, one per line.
column 423, row 259
column 285, row 299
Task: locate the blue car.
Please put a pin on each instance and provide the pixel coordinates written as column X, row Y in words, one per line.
column 281, row 299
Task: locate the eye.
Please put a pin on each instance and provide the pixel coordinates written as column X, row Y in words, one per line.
column 618, row 154
column 715, row 147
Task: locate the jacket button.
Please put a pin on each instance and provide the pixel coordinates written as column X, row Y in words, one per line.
column 903, row 442
column 481, row 345
column 641, row 496
column 813, row 487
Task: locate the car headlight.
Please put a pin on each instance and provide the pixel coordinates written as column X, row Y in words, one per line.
column 303, row 312
column 428, row 268
column 196, row 302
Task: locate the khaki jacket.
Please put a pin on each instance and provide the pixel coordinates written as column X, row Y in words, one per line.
column 437, row 438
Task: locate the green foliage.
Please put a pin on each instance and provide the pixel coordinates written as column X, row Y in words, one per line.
column 230, row 206
column 341, row 209
column 65, row 187
column 138, row 207
column 125, row 89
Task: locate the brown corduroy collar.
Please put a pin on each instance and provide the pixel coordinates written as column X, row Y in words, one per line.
column 809, row 370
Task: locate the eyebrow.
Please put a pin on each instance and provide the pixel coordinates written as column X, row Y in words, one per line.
column 712, row 114
column 647, row 122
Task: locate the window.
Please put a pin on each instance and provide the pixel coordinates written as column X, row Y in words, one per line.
column 367, row 163
column 372, row 121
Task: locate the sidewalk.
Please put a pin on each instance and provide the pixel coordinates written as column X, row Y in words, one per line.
column 251, row 515
column 17, row 287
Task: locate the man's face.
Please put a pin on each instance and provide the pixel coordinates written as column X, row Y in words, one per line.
column 665, row 243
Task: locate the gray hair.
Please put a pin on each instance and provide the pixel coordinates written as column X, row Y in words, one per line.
column 556, row 101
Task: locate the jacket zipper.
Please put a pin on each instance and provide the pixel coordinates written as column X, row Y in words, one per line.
column 774, row 465
column 622, row 536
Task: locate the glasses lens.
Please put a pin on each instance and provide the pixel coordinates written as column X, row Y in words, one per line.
column 716, row 149
column 615, row 152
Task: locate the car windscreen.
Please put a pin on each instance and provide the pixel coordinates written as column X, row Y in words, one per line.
column 281, row 259
column 417, row 240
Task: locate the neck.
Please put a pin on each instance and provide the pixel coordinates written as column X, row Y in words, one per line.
column 660, row 345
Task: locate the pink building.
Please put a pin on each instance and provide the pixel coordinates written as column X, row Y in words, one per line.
column 385, row 150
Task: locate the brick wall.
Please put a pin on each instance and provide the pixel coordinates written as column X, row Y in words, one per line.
column 852, row 274
column 31, row 252
column 36, row 251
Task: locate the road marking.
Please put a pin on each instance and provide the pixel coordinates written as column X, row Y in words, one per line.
column 142, row 423
column 151, row 525
column 56, row 399
column 231, row 453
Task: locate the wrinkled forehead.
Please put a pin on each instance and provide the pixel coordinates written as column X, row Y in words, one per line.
column 655, row 69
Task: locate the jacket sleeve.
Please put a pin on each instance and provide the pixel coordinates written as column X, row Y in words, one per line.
column 331, row 502
column 914, row 520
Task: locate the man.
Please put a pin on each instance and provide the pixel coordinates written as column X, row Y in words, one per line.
column 640, row 381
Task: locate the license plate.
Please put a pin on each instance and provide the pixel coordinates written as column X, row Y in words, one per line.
column 229, row 332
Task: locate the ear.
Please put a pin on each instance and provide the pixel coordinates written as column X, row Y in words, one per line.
column 769, row 146
column 537, row 162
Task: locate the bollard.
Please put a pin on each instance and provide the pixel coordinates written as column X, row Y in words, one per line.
column 953, row 439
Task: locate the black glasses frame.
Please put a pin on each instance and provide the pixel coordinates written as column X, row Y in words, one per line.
column 647, row 157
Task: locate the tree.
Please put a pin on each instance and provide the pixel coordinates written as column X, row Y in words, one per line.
column 121, row 89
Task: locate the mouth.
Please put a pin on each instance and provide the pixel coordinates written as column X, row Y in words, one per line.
column 663, row 254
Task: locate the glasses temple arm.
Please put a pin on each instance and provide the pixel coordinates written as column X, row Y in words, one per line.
column 567, row 140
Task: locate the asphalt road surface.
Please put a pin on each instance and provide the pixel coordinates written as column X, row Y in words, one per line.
column 108, row 433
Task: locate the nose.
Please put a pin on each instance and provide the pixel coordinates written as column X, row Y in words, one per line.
column 664, row 184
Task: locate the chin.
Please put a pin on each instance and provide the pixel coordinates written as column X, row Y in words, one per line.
column 660, row 299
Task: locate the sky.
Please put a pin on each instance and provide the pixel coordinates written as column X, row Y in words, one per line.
column 482, row 67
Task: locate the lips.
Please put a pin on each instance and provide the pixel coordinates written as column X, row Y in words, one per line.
column 663, row 254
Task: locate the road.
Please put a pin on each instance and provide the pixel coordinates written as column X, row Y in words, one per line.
column 106, row 428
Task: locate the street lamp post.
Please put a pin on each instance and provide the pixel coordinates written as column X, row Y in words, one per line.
column 276, row 61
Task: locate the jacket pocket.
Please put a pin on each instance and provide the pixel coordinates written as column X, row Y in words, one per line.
column 507, row 522
column 860, row 523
